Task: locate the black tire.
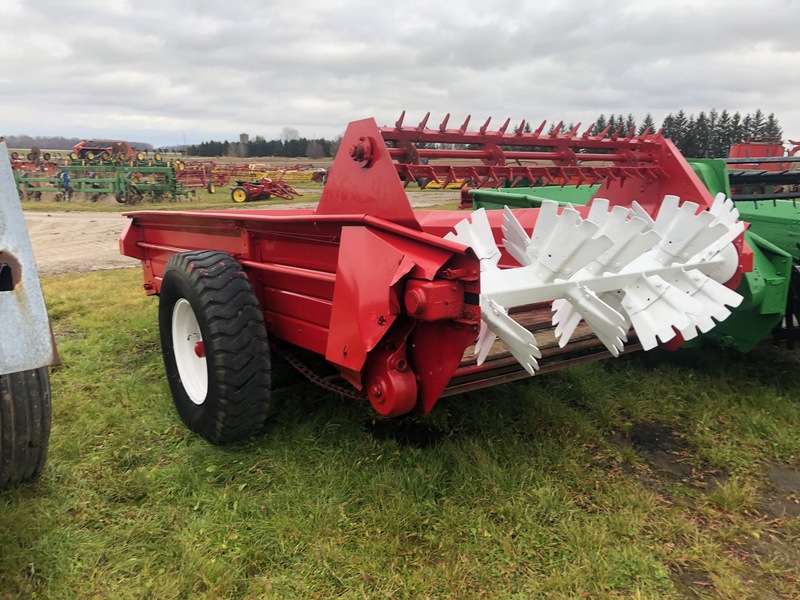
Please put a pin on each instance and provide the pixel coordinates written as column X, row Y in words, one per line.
column 235, row 401
column 24, row 424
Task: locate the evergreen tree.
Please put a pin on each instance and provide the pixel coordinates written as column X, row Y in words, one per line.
column 600, row 124
column 772, row 128
column 689, row 144
column 630, row 124
column 680, row 124
column 723, row 135
column 712, row 147
column 667, row 125
column 612, row 125
column 737, row 128
column 747, row 127
column 647, row 123
column 701, row 136
column 757, row 123
column 620, row 125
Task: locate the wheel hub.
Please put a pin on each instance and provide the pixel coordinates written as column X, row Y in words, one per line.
column 189, row 350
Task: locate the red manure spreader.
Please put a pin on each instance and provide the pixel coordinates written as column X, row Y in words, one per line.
column 410, row 306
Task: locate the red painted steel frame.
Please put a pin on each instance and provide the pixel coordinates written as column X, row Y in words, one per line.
column 762, row 147
column 193, row 176
column 371, row 284
column 334, row 285
column 629, row 167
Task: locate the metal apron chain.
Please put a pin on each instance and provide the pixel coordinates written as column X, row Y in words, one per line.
column 323, row 382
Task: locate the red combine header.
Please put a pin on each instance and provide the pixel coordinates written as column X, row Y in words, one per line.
column 762, row 169
column 409, row 306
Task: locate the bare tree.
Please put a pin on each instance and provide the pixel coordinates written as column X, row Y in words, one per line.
column 289, row 133
column 314, row 150
column 337, row 141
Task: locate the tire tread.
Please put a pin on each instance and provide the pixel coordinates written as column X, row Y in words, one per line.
column 25, row 418
column 238, row 344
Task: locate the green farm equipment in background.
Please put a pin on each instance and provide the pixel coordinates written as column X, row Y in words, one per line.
column 94, row 182
column 127, row 184
column 151, row 183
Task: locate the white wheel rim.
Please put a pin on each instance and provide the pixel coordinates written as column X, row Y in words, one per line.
column 193, row 369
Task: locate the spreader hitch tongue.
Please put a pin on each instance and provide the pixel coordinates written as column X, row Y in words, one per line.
column 617, row 270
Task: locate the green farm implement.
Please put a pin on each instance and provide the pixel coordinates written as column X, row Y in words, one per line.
column 127, row 184
column 152, row 183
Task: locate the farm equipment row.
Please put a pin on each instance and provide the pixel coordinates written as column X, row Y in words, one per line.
column 126, row 185
column 96, row 168
column 130, row 183
column 205, row 173
column 409, row 306
column 86, row 153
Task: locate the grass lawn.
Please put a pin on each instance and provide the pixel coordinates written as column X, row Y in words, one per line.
column 200, row 200
column 654, row 476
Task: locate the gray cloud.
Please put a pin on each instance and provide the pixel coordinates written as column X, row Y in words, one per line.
column 159, row 71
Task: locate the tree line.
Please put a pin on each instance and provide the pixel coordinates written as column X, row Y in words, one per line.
column 707, row 135
column 299, row 147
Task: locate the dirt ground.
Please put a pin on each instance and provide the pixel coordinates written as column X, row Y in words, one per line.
column 80, row 242
column 76, row 242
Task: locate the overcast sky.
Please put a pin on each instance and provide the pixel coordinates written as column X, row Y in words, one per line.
column 171, row 71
